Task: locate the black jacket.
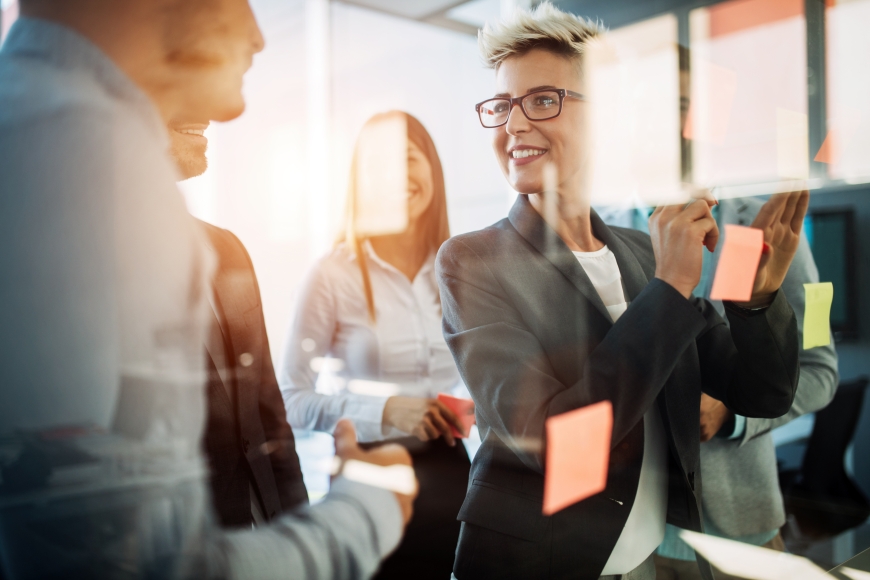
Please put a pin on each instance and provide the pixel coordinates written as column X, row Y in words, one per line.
column 532, row 339
column 247, row 439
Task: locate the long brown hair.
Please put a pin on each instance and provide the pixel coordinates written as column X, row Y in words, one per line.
column 435, row 230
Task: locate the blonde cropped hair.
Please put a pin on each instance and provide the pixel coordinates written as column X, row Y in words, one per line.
column 545, row 27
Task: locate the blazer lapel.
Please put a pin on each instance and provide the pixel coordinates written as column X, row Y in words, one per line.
column 216, row 347
column 242, row 311
column 547, row 242
column 229, row 288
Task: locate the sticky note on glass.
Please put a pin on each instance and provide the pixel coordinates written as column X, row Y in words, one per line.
column 578, row 450
column 464, row 409
column 738, row 264
column 747, row 561
column 817, row 314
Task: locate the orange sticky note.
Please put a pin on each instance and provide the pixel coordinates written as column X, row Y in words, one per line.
column 738, row 264
column 578, row 450
column 464, row 409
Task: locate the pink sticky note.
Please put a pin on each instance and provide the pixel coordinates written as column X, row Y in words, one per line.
column 464, row 409
column 707, row 120
column 578, row 450
column 738, row 264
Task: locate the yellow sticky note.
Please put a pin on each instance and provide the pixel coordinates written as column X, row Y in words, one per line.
column 817, row 314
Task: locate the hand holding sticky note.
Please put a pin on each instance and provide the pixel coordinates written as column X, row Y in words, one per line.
column 817, row 314
column 738, row 264
column 578, row 451
column 462, row 408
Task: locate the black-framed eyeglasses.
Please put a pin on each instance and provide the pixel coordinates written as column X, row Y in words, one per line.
column 538, row 105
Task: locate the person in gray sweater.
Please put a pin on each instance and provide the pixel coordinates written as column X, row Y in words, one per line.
column 741, row 496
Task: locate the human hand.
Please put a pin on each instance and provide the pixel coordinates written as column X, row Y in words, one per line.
column 424, row 418
column 346, row 448
column 678, row 235
column 714, row 414
column 781, row 220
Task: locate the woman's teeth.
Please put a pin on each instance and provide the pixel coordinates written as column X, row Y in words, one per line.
column 520, row 153
column 200, row 132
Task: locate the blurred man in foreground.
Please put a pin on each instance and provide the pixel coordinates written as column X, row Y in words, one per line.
column 105, row 309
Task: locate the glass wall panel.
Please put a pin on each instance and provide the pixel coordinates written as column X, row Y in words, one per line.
column 847, row 146
column 748, row 111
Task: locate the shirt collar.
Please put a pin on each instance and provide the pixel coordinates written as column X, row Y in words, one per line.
column 428, row 265
column 66, row 49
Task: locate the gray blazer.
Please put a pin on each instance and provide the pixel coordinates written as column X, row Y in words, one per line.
column 741, row 488
column 532, row 339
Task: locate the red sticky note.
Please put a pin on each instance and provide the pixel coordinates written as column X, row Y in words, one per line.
column 578, row 450
column 738, row 264
column 464, row 409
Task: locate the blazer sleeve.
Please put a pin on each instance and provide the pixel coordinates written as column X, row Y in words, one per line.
column 283, row 457
column 507, row 370
column 753, row 366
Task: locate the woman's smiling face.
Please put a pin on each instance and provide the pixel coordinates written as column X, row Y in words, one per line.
column 523, row 147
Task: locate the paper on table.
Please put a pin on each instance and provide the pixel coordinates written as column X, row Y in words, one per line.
column 578, row 450
column 738, row 264
column 747, row 561
column 817, row 314
column 464, row 409
column 398, row 478
column 854, row 574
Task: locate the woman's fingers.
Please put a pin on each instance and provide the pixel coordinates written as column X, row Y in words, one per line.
column 711, row 238
column 442, row 425
column 790, row 205
column 451, row 417
column 425, row 431
column 800, row 212
column 770, row 211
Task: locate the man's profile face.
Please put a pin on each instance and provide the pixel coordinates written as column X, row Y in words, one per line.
column 187, row 147
column 209, row 45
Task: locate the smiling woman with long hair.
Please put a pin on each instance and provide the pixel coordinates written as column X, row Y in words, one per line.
column 373, row 304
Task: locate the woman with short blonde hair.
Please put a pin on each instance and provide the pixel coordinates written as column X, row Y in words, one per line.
column 550, row 311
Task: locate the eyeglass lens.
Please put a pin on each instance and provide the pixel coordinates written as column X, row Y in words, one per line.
column 536, row 106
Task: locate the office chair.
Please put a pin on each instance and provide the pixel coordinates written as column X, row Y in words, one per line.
column 820, row 497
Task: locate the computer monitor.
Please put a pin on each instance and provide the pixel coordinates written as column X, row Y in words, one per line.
column 831, row 234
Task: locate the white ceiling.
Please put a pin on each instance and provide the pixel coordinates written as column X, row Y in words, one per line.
column 415, row 9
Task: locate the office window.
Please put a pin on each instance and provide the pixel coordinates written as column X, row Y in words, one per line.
column 846, row 149
column 633, row 92
column 748, row 111
column 8, row 15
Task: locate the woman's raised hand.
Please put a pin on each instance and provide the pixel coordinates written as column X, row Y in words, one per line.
column 424, row 418
column 781, row 220
column 679, row 234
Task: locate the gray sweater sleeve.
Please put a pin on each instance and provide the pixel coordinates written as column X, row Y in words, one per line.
column 818, row 366
column 344, row 537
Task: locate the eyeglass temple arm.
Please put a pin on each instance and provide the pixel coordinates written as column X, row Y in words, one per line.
column 575, row 95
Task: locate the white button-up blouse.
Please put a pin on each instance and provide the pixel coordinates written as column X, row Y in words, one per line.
column 402, row 353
